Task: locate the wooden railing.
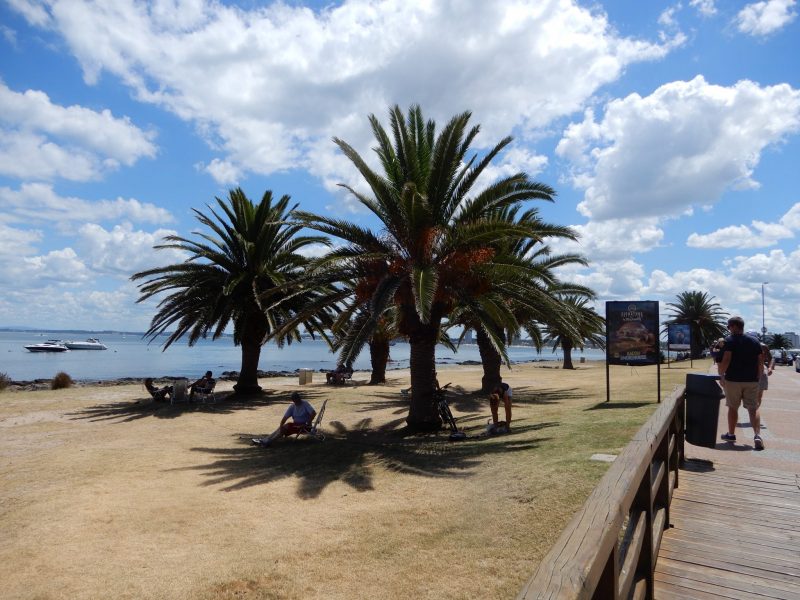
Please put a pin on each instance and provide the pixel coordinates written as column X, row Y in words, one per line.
column 609, row 549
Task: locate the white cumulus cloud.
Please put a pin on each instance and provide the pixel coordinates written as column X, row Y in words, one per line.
column 706, row 8
column 266, row 86
column 758, row 235
column 44, row 140
column 39, row 203
column 764, row 18
column 682, row 146
column 122, row 250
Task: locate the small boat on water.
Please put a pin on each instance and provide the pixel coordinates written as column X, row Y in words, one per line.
column 48, row 346
column 90, row 344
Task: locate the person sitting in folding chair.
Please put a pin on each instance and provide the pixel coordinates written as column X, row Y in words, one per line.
column 340, row 375
column 204, row 385
column 302, row 415
column 158, row 394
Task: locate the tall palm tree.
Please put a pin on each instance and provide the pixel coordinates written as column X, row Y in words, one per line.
column 778, row 341
column 582, row 324
column 249, row 253
column 438, row 242
column 706, row 319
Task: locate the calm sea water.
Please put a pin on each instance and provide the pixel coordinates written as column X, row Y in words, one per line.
column 128, row 355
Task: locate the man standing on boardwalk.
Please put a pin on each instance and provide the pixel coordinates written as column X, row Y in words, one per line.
column 741, row 366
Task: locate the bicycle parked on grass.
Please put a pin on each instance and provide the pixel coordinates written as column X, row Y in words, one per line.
column 443, row 408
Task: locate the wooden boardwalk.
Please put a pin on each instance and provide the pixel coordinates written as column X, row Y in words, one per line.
column 735, row 534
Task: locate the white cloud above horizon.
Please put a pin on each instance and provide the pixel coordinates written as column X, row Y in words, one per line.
column 682, row 146
column 706, row 8
column 43, row 140
column 766, row 17
column 758, row 235
column 39, row 203
column 326, row 63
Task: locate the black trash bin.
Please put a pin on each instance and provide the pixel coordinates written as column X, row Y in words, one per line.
column 703, row 394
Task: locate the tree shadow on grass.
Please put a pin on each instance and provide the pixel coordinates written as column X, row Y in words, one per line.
column 532, row 395
column 226, row 403
column 614, row 405
column 351, row 455
column 464, row 401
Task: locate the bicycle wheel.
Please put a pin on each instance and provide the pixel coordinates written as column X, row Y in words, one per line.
column 447, row 415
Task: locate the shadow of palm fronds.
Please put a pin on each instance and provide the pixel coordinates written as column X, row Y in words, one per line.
column 618, row 405
column 226, row 403
column 351, row 455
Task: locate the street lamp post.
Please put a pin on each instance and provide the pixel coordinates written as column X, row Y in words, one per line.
column 763, row 322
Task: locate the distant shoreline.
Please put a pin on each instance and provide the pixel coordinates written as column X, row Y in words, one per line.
column 44, row 383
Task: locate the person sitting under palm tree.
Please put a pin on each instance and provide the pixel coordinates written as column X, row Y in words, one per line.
column 339, row 375
column 158, row 394
column 302, row 414
column 204, row 385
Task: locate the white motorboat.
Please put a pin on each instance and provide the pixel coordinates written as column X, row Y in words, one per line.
column 48, row 346
column 90, row 344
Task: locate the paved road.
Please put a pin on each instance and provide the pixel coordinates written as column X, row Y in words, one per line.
column 780, row 429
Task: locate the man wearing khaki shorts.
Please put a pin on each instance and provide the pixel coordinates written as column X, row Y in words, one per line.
column 742, row 366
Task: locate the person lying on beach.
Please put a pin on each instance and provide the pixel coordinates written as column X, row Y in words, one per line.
column 205, row 384
column 158, row 394
column 302, row 415
column 501, row 392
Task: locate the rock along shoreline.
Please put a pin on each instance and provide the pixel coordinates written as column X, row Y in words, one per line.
column 44, row 384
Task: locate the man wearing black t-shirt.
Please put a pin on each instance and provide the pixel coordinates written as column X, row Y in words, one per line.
column 742, row 366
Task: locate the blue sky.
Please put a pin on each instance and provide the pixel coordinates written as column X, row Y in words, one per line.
column 669, row 129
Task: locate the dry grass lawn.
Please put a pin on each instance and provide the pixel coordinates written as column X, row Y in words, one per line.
column 105, row 494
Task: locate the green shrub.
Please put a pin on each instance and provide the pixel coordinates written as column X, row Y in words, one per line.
column 61, row 381
column 5, row 381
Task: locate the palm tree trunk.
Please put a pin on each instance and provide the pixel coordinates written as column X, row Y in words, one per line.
column 566, row 346
column 491, row 361
column 695, row 347
column 422, row 414
column 379, row 357
column 252, row 337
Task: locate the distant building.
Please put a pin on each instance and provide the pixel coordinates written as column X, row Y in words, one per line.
column 793, row 338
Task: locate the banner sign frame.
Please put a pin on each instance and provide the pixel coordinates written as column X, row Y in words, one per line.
column 632, row 337
column 679, row 336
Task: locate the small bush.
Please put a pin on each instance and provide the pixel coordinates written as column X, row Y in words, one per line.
column 5, row 381
column 61, row 381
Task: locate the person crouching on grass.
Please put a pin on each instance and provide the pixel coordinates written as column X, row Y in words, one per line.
column 302, row 415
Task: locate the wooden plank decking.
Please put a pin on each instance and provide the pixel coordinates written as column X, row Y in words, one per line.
column 735, row 534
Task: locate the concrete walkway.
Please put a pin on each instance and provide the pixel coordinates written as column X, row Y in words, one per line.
column 780, row 429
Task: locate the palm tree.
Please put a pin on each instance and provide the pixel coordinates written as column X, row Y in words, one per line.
column 778, row 341
column 582, row 324
column 495, row 327
column 249, row 254
column 706, row 319
column 351, row 319
column 438, row 242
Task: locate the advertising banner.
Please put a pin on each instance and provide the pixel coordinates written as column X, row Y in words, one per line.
column 679, row 336
column 632, row 333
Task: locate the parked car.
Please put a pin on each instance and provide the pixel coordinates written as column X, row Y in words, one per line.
column 782, row 357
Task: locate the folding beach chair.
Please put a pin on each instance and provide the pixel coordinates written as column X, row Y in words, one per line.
column 206, row 394
column 314, row 431
column 179, row 391
column 311, row 431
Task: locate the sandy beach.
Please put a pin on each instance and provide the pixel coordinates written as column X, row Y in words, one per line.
column 105, row 493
